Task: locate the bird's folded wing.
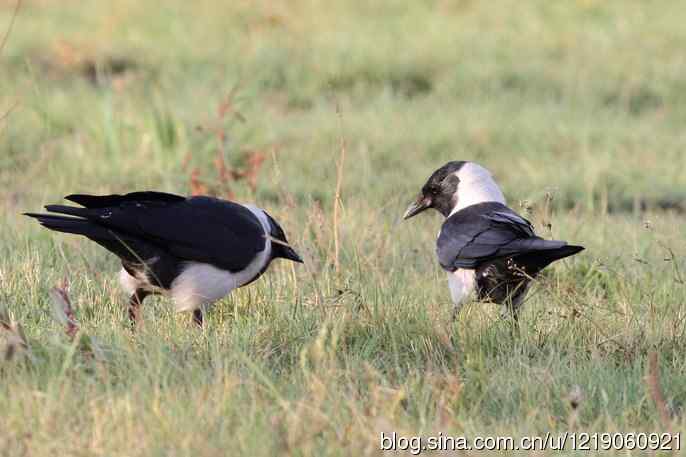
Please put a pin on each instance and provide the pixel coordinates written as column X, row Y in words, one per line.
column 103, row 201
column 470, row 238
column 200, row 229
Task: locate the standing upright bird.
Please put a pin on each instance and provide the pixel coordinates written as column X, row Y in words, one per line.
column 485, row 247
column 195, row 249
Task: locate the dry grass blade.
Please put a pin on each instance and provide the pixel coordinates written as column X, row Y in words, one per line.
column 9, row 111
column 2, row 46
column 63, row 313
column 227, row 106
column 9, row 27
column 275, row 241
column 337, row 196
column 16, row 339
column 5, row 321
column 656, row 393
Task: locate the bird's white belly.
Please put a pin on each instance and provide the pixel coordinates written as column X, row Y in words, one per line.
column 462, row 283
column 200, row 284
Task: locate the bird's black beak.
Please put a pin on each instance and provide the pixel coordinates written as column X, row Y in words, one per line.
column 417, row 207
column 287, row 252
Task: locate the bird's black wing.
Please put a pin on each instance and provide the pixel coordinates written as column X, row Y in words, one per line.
column 103, row 201
column 484, row 232
column 201, row 229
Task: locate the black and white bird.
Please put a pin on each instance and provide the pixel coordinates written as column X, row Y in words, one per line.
column 195, row 250
column 489, row 251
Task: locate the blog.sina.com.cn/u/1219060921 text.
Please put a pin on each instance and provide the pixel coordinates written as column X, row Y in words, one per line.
column 576, row 441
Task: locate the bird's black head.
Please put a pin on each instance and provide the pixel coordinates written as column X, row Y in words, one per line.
column 280, row 246
column 439, row 192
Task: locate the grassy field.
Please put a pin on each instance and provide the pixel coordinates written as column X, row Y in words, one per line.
column 577, row 107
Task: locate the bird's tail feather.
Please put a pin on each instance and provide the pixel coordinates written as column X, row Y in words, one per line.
column 79, row 224
column 73, row 225
column 565, row 251
column 537, row 260
column 70, row 210
column 124, row 247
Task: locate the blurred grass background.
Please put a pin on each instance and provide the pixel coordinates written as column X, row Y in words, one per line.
column 577, row 107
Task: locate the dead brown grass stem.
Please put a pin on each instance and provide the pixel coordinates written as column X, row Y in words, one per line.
column 337, row 195
column 655, row 390
column 6, row 36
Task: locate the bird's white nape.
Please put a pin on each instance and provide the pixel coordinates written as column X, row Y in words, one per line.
column 476, row 186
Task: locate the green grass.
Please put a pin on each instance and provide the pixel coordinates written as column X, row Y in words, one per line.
column 583, row 101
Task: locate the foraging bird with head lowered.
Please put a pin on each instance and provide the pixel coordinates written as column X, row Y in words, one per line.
column 195, row 250
column 487, row 249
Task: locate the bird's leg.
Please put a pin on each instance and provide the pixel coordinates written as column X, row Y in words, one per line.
column 515, row 320
column 135, row 303
column 198, row 317
column 456, row 310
